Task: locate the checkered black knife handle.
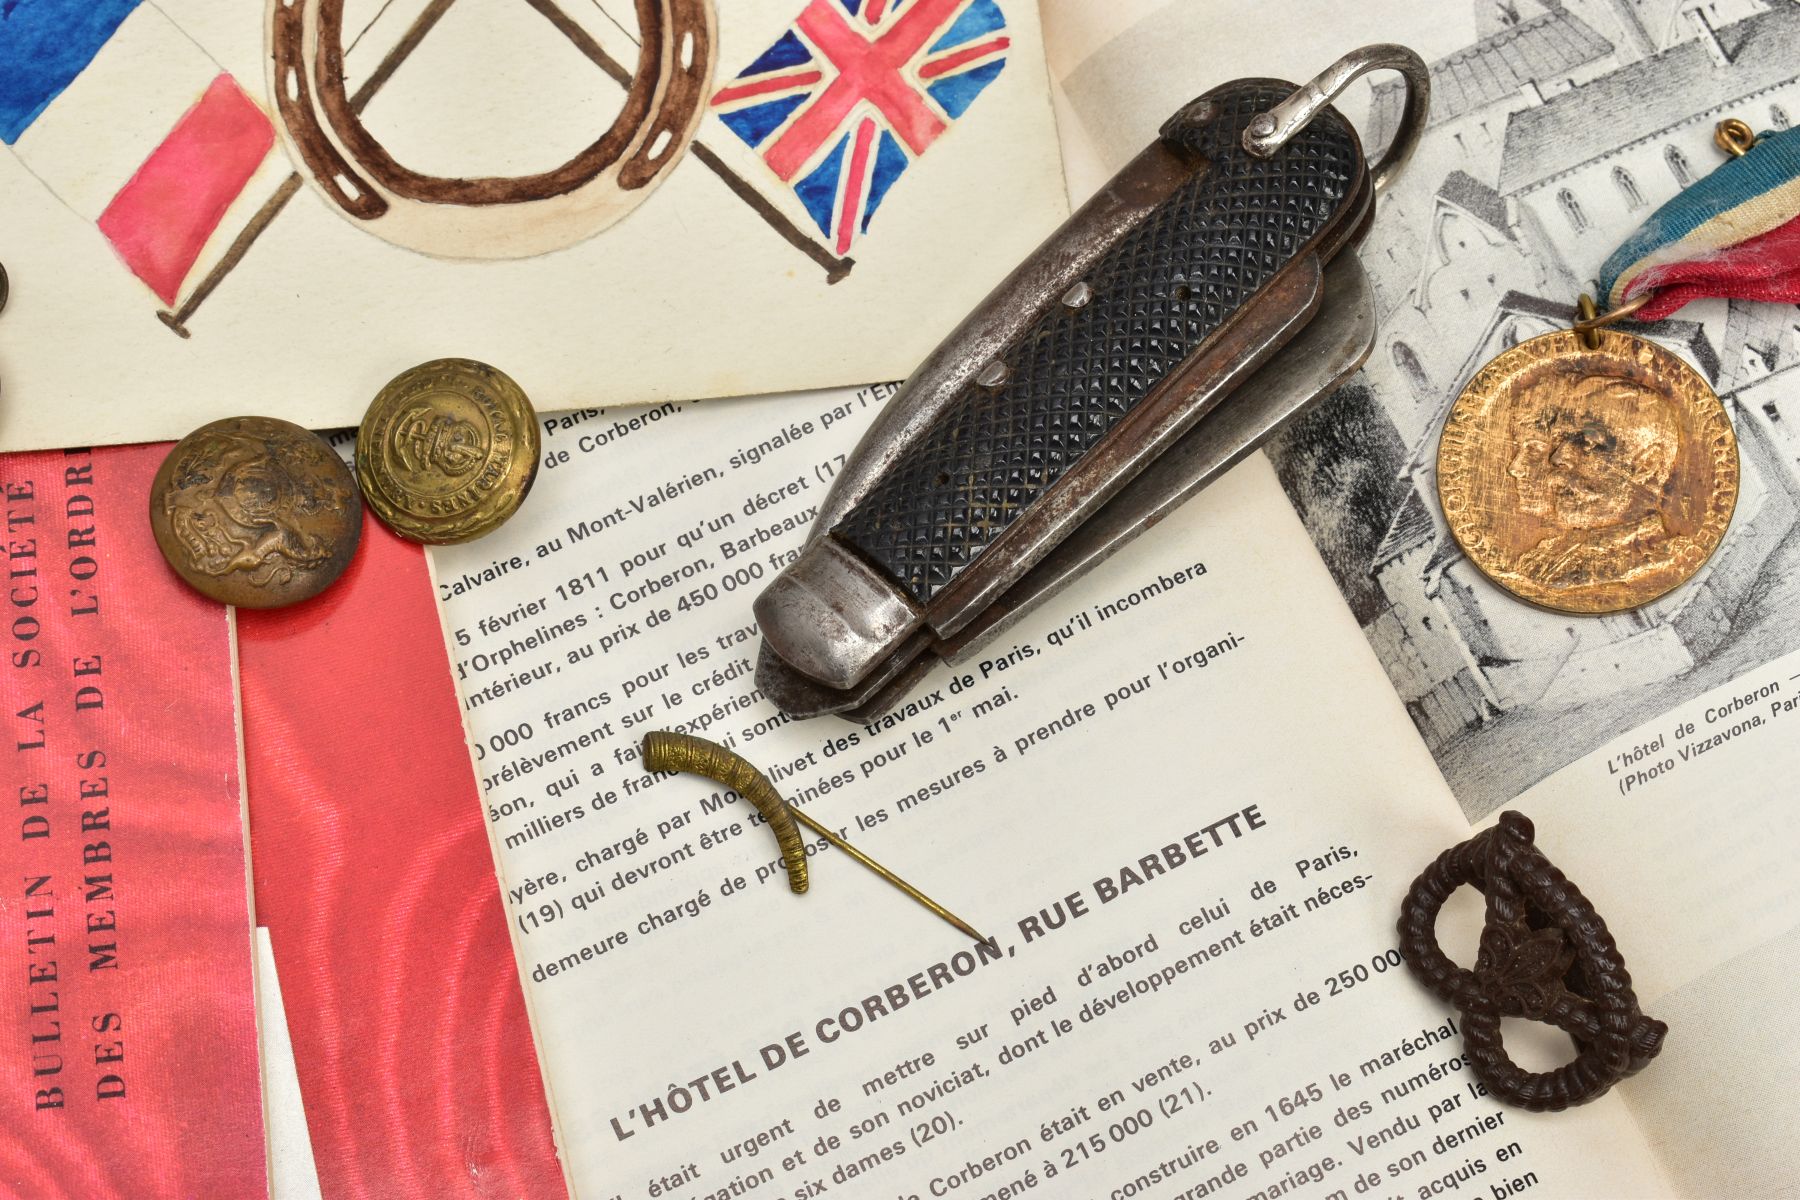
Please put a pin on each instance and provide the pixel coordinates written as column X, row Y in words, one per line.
column 1159, row 297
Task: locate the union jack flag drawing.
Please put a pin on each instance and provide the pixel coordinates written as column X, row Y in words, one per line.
column 855, row 90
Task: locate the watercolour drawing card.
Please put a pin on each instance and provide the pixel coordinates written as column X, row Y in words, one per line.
column 277, row 208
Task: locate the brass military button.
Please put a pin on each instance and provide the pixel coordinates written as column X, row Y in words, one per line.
column 255, row 512
column 447, row 451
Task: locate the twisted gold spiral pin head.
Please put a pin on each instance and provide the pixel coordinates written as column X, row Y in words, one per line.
column 668, row 751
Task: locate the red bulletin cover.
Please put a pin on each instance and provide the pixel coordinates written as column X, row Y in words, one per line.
column 376, row 880
column 128, row 1050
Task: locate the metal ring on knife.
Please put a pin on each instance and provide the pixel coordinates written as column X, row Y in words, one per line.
column 1272, row 130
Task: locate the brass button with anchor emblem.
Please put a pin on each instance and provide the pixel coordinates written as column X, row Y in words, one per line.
column 255, row 512
column 447, row 451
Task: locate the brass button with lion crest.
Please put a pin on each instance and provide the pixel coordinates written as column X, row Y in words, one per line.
column 255, row 512
column 447, row 451
column 1588, row 475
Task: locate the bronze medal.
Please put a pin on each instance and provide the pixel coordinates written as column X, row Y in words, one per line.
column 255, row 512
column 447, row 451
column 1588, row 471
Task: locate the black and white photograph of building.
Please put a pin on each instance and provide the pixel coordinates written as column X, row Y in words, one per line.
column 1551, row 138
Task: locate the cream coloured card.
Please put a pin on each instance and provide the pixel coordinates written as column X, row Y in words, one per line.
column 217, row 207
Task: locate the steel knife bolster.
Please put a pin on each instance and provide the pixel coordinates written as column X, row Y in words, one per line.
column 1194, row 267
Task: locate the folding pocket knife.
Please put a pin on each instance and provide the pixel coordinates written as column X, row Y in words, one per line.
column 1203, row 296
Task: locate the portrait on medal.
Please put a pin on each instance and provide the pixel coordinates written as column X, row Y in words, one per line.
column 1587, row 480
column 1596, row 472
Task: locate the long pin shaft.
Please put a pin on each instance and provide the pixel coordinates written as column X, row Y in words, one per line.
column 886, row 874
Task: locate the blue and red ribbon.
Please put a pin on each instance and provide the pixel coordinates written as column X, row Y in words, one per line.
column 1735, row 233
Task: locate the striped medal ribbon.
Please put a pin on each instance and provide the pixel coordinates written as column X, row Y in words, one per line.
column 1734, row 234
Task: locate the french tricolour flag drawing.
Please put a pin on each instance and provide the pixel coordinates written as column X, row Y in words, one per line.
column 855, row 91
column 131, row 125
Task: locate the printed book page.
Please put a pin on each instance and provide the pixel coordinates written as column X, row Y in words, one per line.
column 1654, row 748
column 716, row 199
column 1179, row 800
column 1683, row 833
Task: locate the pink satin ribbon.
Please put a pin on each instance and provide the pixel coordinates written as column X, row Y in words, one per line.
column 376, row 880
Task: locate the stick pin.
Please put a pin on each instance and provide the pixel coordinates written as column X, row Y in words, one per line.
column 667, row 751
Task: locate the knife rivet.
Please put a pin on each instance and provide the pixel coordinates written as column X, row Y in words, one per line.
column 993, row 375
column 1078, row 296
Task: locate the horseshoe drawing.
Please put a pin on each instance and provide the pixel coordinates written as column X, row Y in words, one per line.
column 490, row 217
